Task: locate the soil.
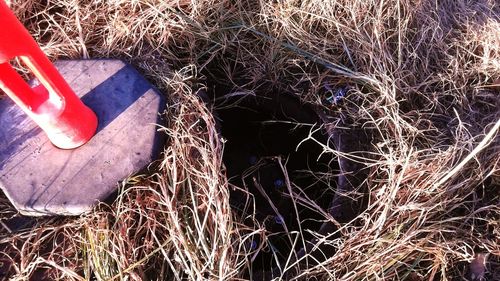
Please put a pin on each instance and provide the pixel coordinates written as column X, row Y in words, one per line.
column 267, row 139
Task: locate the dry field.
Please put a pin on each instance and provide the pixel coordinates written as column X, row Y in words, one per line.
column 414, row 139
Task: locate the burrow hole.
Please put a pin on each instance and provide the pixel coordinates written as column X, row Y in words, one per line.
column 279, row 176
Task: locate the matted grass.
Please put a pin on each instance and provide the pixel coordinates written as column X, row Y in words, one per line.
column 423, row 80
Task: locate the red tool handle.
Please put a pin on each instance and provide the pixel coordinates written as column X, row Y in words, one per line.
column 67, row 122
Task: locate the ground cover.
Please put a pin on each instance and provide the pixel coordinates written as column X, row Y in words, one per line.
column 405, row 96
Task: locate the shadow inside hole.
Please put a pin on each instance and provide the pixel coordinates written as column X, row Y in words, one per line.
column 263, row 136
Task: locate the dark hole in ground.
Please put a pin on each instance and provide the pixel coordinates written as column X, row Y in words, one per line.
column 261, row 133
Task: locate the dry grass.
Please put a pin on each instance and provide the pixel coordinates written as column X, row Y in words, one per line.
column 424, row 82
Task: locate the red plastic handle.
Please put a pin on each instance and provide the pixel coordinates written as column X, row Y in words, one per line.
column 52, row 105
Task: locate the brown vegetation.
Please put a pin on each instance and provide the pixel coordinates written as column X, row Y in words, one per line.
column 423, row 80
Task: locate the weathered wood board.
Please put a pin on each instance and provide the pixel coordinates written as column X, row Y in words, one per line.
column 40, row 179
